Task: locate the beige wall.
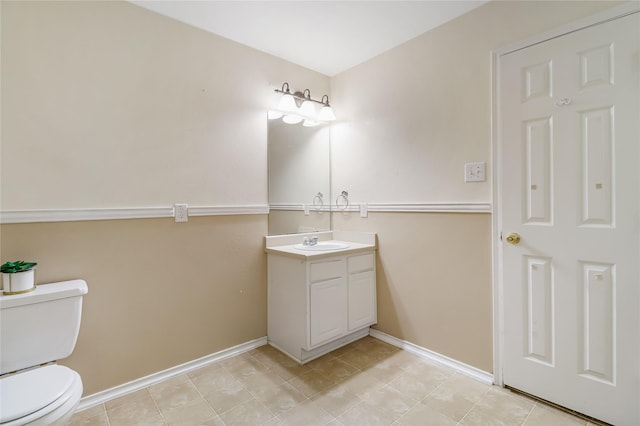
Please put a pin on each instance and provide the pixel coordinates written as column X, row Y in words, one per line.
column 434, row 275
column 160, row 293
column 108, row 105
column 293, row 222
column 409, row 120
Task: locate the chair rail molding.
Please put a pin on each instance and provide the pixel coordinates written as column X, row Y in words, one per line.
column 71, row 215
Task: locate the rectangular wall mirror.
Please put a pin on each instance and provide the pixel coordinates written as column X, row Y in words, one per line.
column 299, row 178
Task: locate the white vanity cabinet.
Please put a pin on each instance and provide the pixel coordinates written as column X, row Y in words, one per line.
column 319, row 303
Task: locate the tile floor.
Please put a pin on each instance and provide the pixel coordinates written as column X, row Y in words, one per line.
column 366, row 383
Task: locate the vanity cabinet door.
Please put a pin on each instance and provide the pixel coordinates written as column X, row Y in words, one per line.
column 362, row 300
column 327, row 310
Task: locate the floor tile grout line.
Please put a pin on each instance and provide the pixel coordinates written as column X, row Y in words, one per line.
column 203, row 397
column 243, row 387
column 438, row 387
column 148, row 389
column 219, row 414
column 106, row 414
column 276, row 415
column 335, row 383
column 535, row 403
column 476, row 403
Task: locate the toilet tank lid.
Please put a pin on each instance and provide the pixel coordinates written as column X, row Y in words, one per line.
column 46, row 292
column 24, row 393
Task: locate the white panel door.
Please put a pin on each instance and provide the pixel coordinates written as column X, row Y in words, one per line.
column 568, row 162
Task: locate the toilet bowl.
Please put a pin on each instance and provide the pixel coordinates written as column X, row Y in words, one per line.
column 45, row 395
column 35, row 329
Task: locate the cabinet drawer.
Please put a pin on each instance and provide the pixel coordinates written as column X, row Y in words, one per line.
column 322, row 271
column 360, row 263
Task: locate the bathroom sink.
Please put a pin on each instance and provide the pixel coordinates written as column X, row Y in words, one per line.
column 323, row 246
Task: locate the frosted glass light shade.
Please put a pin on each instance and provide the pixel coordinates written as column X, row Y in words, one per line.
column 292, row 119
column 287, row 103
column 326, row 114
column 310, row 123
column 307, row 109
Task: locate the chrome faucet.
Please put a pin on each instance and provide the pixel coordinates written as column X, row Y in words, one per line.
column 310, row 241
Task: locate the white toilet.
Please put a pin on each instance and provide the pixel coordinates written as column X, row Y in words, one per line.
column 36, row 329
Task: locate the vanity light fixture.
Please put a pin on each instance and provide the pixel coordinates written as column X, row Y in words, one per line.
column 326, row 113
column 299, row 106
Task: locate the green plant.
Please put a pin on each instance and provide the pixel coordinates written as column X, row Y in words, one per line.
column 19, row 266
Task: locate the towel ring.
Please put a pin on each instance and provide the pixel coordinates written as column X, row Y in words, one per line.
column 344, row 195
column 320, row 202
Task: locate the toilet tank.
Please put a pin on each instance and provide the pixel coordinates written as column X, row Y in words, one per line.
column 40, row 326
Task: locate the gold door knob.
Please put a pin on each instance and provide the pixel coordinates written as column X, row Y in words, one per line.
column 513, row 238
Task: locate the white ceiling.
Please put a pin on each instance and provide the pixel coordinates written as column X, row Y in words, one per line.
column 325, row 36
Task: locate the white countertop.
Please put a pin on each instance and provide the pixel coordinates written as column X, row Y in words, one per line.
column 291, row 251
column 284, row 245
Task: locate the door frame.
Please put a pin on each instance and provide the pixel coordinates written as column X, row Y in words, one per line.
column 498, row 285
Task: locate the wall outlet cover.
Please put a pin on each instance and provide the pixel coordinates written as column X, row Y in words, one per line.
column 181, row 212
column 364, row 210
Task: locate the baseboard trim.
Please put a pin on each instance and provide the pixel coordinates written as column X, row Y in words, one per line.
column 460, row 367
column 152, row 379
column 134, row 385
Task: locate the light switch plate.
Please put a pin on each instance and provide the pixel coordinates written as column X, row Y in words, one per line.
column 474, row 172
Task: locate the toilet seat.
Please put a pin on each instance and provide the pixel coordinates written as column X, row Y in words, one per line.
column 37, row 394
